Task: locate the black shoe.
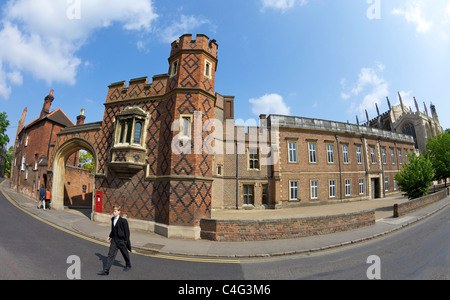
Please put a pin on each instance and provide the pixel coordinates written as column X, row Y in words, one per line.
column 103, row 273
column 127, row 268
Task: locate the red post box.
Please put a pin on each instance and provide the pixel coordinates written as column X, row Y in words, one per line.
column 98, row 202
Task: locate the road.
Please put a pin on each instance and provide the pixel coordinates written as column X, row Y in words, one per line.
column 32, row 249
column 418, row 252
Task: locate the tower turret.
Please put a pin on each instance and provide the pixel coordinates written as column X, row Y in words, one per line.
column 193, row 63
column 436, row 118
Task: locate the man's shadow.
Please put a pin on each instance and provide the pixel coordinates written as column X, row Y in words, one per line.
column 104, row 258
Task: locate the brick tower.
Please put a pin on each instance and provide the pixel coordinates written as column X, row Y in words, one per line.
column 192, row 66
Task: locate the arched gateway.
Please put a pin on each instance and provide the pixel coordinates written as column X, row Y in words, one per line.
column 68, row 148
column 137, row 168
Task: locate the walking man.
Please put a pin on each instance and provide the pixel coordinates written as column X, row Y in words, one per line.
column 119, row 239
column 42, row 194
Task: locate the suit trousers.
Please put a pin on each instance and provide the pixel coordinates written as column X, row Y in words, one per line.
column 115, row 246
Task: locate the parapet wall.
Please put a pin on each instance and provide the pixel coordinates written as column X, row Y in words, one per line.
column 337, row 127
column 257, row 230
column 137, row 88
column 415, row 204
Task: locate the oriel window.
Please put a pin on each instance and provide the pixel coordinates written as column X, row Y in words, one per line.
column 130, row 127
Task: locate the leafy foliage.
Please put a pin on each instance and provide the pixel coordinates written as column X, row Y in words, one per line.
column 416, row 176
column 86, row 160
column 4, row 123
column 439, row 153
column 8, row 160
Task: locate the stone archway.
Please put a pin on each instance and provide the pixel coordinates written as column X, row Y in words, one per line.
column 59, row 167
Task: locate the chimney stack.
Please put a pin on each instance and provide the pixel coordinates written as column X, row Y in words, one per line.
column 47, row 104
column 81, row 118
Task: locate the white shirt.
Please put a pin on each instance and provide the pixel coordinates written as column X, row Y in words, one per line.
column 115, row 220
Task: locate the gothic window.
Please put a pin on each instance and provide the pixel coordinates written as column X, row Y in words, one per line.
column 409, row 129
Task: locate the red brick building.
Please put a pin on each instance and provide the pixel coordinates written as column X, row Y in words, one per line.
column 34, row 143
column 168, row 151
column 305, row 161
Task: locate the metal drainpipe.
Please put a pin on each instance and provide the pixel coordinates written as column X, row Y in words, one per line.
column 364, row 154
column 237, row 175
column 340, row 171
column 383, row 188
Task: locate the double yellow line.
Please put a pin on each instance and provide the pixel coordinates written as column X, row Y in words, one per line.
column 161, row 256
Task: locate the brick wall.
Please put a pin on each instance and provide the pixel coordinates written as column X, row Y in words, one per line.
column 254, row 230
column 415, row 204
column 74, row 194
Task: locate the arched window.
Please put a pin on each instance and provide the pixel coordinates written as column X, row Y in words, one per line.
column 410, row 130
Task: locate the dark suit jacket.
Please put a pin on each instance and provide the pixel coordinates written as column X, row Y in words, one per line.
column 42, row 193
column 120, row 232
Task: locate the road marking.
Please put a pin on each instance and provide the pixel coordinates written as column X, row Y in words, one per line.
column 161, row 256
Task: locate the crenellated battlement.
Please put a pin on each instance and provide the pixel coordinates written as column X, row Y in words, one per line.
column 202, row 42
column 137, row 88
column 195, row 73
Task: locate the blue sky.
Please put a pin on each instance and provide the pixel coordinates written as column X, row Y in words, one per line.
column 327, row 59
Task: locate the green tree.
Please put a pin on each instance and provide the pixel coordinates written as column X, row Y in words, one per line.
column 8, row 161
column 439, row 152
column 86, row 160
column 4, row 123
column 416, row 176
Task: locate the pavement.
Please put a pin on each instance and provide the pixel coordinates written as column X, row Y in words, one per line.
column 78, row 222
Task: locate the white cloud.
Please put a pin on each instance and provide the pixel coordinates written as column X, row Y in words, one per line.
column 42, row 37
column 185, row 25
column 282, row 5
column 6, row 79
column 414, row 14
column 269, row 104
column 370, row 86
